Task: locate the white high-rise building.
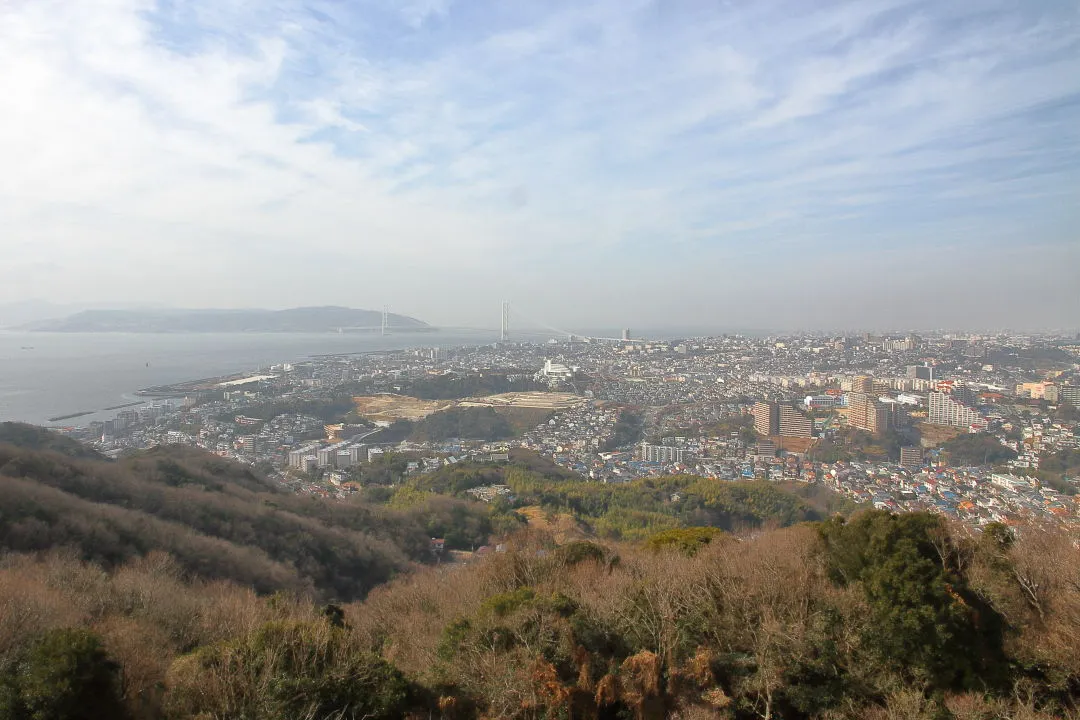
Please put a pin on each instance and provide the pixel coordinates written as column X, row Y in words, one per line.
column 945, row 409
column 662, row 453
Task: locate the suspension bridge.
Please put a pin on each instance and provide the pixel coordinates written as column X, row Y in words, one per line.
column 534, row 328
column 529, row 327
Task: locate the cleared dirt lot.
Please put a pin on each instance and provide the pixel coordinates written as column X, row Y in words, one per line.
column 397, row 407
column 402, row 407
column 539, row 400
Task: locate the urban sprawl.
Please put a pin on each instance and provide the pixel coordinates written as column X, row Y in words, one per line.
column 875, row 418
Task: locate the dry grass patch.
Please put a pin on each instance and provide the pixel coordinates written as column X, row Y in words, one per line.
column 397, row 407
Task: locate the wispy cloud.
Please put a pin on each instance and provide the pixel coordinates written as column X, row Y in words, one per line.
column 288, row 152
column 417, row 12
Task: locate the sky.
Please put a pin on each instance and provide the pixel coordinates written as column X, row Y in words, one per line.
column 732, row 163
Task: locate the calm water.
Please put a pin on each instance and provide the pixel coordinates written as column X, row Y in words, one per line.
column 63, row 373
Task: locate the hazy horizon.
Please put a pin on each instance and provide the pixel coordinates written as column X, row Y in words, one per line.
column 530, row 329
column 883, row 164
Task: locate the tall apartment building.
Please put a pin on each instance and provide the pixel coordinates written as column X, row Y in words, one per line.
column 296, row 457
column 949, row 409
column 772, row 419
column 662, row 453
column 911, row 456
column 766, row 418
column 1070, row 394
column 866, row 413
column 325, row 457
column 959, row 391
column 862, row 384
column 357, row 453
column 920, row 372
column 965, row 394
column 794, row 424
column 898, row 345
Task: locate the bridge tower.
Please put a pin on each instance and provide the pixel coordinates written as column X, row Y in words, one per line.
column 504, row 325
column 384, row 320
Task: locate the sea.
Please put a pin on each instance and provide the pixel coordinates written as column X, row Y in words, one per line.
column 44, row 376
column 48, row 375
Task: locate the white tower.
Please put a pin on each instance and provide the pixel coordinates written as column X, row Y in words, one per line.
column 504, row 326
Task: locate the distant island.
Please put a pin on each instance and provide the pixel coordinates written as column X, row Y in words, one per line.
column 293, row 320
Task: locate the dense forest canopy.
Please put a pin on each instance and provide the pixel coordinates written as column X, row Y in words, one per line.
column 465, row 423
column 623, row 510
column 627, row 430
column 1063, row 461
column 976, row 449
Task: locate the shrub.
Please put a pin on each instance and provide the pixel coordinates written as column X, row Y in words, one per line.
column 64, row 674
column 926, row 621
column 287, row 670
column 686, row 540
column 453, row 635
column 580, row 551
column 503, row 604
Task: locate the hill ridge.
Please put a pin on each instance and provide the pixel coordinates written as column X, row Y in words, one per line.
column 219, row 519
column 325, row 318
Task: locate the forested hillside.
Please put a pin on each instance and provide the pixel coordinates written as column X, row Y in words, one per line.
column 631, row 510
column 218, row 519
column 490, row 382
column 475, row 423
column 882, row 617
column 31, row 437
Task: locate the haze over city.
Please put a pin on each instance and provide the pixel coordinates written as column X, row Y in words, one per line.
column 771, row 164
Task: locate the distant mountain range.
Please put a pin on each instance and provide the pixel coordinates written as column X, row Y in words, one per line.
column 15, row 314
column 294, row 320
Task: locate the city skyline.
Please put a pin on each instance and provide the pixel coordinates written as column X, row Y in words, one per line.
column 856, row 165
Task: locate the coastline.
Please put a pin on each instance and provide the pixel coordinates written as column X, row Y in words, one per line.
column 84, row 413
column 251, row 331
column 75, row 378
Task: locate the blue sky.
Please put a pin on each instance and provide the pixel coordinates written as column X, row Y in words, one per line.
column 759, row 164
